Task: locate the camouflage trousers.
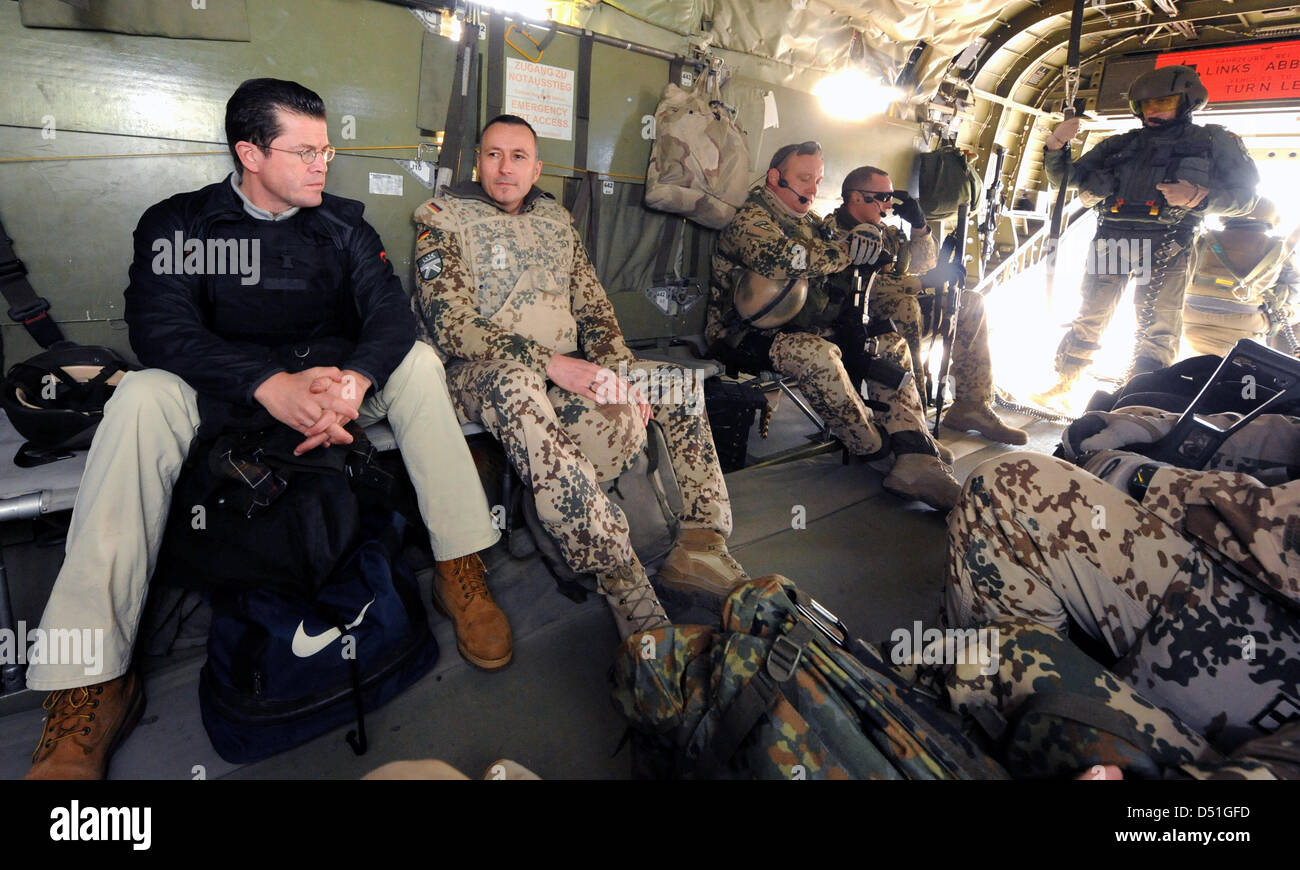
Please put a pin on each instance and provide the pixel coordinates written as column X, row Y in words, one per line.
column 564, row 446
column 1036, row 538
column 1162, row 279
column 971, row 368
column 815, row 363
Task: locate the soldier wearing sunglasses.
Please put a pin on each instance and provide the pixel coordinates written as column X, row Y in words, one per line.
column 897, row 295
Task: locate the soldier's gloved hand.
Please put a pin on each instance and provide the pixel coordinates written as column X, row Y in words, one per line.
column 1062, row 133
column 1116, row 467
column 1106, row 430
column 865, row 243
column 909, row 209
column 1089, row 199
column 1183, row 194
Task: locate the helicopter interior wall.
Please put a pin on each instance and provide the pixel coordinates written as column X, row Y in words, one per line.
column 78, row 93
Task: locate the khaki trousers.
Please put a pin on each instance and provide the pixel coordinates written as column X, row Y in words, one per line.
column 121, row 507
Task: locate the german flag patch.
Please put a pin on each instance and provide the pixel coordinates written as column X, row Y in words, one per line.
column 422, row 236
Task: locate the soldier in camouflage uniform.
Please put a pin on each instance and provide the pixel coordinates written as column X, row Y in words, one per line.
column 1151, row 189
column 776, row 236
column 1190, row 578
column 868, row 195
column 1247, row 285
column 507, row 293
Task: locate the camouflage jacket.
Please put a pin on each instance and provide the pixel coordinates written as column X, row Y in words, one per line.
column 1133, row 162
column 1243, row 507
column 765, row 237
column 908, row 258
column 492, row 285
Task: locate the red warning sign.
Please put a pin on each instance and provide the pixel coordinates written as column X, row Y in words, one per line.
column 1262, row 71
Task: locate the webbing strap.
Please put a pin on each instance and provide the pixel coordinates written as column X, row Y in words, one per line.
column 25, row 306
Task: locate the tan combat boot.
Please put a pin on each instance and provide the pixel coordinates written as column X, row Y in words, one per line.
column 460, row 593
column 1055, row 395
column 699, row 562
column 966, row 416
column 945, row 455
column 924, row 477
column 632, row 600
column 84, row 726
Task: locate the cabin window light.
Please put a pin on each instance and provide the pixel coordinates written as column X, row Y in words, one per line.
column 450, row 26
column 853, row 95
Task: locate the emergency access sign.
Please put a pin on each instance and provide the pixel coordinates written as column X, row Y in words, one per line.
column 1261, row 71
column 542, row 95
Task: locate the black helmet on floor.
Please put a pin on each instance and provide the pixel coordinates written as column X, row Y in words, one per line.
column 57, row 398
column 1168, row 81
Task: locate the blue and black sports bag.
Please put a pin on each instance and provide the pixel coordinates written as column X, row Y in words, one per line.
column 283, row 670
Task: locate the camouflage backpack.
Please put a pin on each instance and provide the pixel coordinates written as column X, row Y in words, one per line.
column 776, row 694
column 699, row 162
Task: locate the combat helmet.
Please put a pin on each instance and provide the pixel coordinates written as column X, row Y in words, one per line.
column 1165, row 82
column 767, row 303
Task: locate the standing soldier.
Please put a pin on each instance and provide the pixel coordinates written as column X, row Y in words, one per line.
column 772, row 307
column 506, row 291
column 1151, row 188
column 868, row 195
column 1245, row 286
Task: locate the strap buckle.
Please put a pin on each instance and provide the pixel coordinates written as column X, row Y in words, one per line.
column 783, row 659
column 35, row 311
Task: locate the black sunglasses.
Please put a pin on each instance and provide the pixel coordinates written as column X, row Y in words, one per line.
column 870, row 195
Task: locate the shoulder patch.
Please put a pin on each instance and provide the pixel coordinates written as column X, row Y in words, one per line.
column 430, row 265
column 423, row 235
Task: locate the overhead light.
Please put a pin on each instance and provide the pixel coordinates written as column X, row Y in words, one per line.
column 853, row 95
column 538, row 10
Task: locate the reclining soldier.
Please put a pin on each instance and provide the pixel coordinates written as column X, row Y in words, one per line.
column 508, row 295
column 775, row 240
column 1190, row 579
column 868, row 195
column 211, row 338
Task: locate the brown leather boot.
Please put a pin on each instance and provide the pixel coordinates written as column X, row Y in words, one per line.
column 460, row 593
column 699, row 562
column 84, row 726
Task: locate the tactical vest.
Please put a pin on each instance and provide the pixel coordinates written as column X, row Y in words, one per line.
column 1149, row 157
column 520, row 264
column 1235, row 289
column 302, row 290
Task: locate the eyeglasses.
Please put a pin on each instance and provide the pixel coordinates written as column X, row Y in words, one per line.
column 870, row 195
column 308, row 155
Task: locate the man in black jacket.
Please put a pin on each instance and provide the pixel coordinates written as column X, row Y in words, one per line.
column 228, row 284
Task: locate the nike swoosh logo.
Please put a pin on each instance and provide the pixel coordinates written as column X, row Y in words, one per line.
column 307, row 645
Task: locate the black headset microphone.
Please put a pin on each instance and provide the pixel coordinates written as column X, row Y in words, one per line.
column 781, row 182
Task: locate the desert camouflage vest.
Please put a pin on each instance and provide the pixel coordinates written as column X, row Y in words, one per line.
column 1258, row 260
column 521, row 265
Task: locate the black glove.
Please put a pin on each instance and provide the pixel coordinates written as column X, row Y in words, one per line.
column 909, row 209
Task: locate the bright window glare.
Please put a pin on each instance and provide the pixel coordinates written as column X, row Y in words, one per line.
column 852, row 95
column 1024, row 332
